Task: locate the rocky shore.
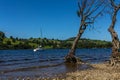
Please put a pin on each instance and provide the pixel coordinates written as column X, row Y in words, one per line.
column 101, row 71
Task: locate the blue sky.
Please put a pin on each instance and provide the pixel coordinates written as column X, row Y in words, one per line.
column 56, row 18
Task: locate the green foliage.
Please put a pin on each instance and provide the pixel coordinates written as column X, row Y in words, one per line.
column 8, row 42
column 2, row 34
column 19, row 43
column 87, row 43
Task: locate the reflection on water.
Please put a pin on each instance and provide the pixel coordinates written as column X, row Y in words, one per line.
column 46, row 63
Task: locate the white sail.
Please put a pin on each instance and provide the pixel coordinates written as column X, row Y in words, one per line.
column 40, row 47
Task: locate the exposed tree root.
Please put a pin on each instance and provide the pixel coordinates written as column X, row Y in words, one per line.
column 115, row 61
column 72, row 59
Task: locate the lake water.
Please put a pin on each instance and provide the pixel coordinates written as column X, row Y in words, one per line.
column 47, row 63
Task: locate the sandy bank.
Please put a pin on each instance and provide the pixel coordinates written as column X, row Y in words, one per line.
column 99, row 72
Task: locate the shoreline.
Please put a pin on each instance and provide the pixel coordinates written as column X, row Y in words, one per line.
column 99, row 71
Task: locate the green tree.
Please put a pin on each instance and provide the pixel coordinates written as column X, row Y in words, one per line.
column 2, row 36
column 8, row 42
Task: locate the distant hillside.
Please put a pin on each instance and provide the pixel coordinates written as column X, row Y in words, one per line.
column 89, row 43
column 19, row 43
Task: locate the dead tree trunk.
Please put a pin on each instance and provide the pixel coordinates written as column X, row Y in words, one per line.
column 115, row 57
column 71, row 55
column 88, row 11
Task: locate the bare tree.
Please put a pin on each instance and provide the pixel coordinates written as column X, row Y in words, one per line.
column 88, row 12
column 115, row 40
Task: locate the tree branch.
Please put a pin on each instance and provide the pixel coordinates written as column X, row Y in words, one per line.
column 94, row 9
column 89, row 8
column 84, row 3
column 80, row 10
column 112, row 3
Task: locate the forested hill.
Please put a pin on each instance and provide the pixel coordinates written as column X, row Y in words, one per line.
column 19, row 43
column 89, row 43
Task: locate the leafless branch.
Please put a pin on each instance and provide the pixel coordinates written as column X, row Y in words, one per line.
column 99, row 13
column 94, row 9
column 84, row 4
column 80, row 10
column 112, row 3
column 90, row 6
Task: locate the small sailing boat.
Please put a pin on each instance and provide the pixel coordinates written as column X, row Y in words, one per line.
column 40, row 47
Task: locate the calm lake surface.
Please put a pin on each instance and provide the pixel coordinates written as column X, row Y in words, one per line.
column 47, row 63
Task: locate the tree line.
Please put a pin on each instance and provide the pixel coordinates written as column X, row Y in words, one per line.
column 20, row 43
